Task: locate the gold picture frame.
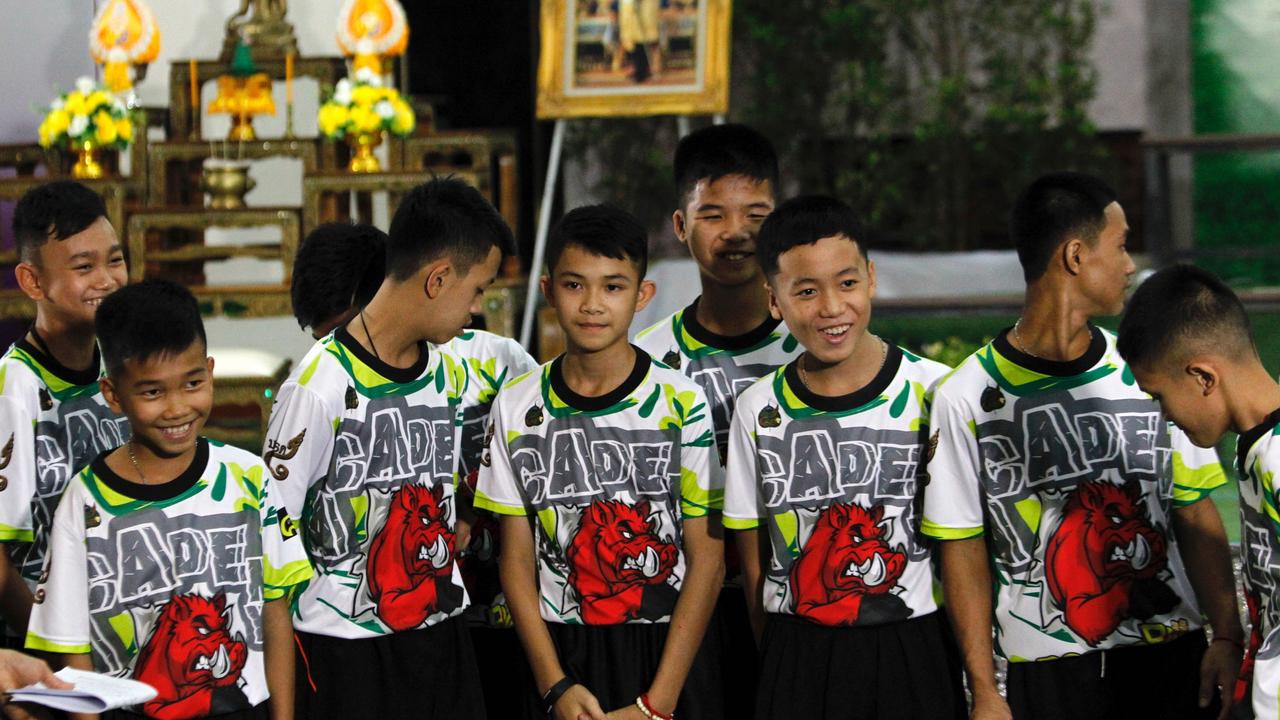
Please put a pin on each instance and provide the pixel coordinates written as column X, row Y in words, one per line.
column 601, row 58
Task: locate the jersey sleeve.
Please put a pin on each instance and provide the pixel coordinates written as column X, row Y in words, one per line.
column 701, row 477
column 284, row 558
column 1196, row 470
column 299, row 445
column 17, row 468
column 516, row 360
column 743, row 506
column 952, row 498
column 60, row 616
column 496, row 489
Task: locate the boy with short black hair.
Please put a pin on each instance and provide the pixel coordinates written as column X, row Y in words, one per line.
column 337, row 270
column 364, row 443
column 321, row 277
column 1187, row 339
column 602, row 465
column 169, row 559
column 827, row 454
column 53, row 419
column 726, row 180
column 1072, row 516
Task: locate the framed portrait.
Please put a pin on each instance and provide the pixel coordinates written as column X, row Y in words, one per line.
column 603, row 58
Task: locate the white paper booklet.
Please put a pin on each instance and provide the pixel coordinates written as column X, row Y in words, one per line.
column 93, row 692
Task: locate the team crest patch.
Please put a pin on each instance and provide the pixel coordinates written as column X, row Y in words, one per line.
column 353, row 401
column 933, row 445
column 672, row 359
column 91, row 517
column 992, row 399
column 276, row 451
column 770, row 417
column 46, row 402
column 533, row 417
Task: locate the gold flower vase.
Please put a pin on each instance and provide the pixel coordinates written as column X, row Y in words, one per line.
column 87, row 166
column 362, row 158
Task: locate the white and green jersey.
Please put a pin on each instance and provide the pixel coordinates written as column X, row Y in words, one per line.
column 723, row 366
column 1258, row 460
column 166, row 583
column 53, row 421
column 491, row 361
column 836, row 480
column 365, row 454
column 1072, row 473
column 610, row 479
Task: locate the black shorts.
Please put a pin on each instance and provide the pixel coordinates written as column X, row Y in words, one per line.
column 1145, row 681
column 504, row 672
column 261, row 711
column 739, row 658
column 427, row 674
column 617, row 663
column 908, row 670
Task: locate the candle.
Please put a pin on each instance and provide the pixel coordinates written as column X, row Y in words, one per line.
column 195, row 86
column 288, row 78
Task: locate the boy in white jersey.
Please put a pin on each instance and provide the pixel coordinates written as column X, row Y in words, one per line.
column 323, row 279
column 725, row 178
column 363, row 441
column 1068, row 505
column 170, row 560
column 826, row 453
column 53, row 419
column 602, row 464
column 1186, row 337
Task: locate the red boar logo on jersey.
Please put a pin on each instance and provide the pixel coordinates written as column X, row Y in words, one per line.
column 619, row 566
column 846, row 570
column 411, row 557
column 190, row 654
column 1102, row 561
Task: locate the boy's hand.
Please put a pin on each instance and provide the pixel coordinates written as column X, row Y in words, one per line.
column 1218, row 670
column 630, row 712
column 578, row 703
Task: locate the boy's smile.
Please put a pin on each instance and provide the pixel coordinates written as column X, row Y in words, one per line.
column 720, row 222
column 77, row 273
column 167, row 399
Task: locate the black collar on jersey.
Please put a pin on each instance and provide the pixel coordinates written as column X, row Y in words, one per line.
column 1250, row 437
column 1056, row 368
column 599, row 402
column 62, row 372
column 394, row 374
column 855, row 399
column 154, row 493
column 725, row 342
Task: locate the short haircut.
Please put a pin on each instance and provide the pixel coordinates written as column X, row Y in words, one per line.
column 1181, row 311
column 53, row 211
column 444, row 217
column 338, row 266
column 1052, row 209
column 147, row 319
column 603, row 230
column 805, row 220
column 719, row 150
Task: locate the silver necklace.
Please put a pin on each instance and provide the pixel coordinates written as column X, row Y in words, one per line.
column 804, row 375
column 1017, row 340
column 133, row 459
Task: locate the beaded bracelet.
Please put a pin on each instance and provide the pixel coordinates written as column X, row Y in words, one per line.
column 642, row 702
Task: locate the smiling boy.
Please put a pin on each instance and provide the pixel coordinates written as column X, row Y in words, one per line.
column 53, row 419
column 825, row 459
column 601, row 464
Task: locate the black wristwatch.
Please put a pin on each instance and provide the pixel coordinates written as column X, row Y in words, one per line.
column 555, row 693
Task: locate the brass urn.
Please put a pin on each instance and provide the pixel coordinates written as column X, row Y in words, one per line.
column 226, row 182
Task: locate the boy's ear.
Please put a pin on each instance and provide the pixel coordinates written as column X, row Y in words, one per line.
column 29, row 280
column 1072, row 255
column 679, row 225
column 774, row 310
column 436, row 276
column 1205, row 375
column 871, row 279
column 645, row 293
column 544, row 283
column 108, row 388
column 209, row 368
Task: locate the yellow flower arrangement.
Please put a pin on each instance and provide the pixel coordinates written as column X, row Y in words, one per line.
column 88, row 113
column 365, row 106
